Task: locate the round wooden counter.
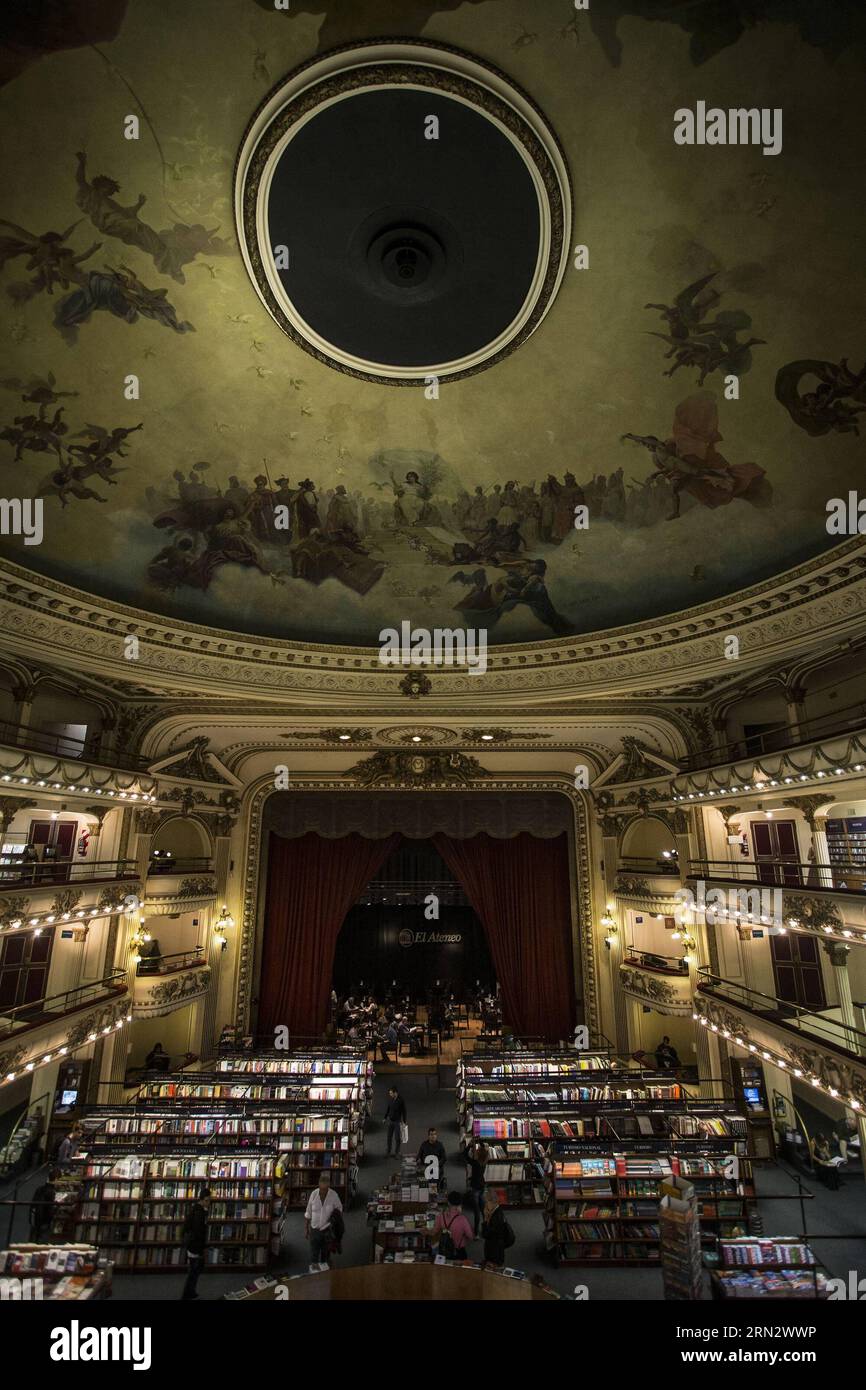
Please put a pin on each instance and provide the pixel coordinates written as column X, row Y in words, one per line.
column 402, row 1282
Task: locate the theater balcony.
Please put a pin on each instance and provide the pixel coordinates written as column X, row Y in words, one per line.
column 178, row 884
column 803, row 755
column 759, row 879
column 650, row 883
column 65, row 896
column 166, row 983
column 660, row 982
column 817, row 1047
column 42, row 1030
column 34, row 759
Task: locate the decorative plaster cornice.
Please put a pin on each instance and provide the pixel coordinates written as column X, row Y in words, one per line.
column 157, row 995
column 666, row 994
column 813, row 602
column 842, row 1077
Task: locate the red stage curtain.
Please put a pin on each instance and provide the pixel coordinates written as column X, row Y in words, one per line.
column 312, row 883
column 520, row 890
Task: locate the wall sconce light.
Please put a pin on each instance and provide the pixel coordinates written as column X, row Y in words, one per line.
column 610, row 927
column 137, row 940
column 225, row 919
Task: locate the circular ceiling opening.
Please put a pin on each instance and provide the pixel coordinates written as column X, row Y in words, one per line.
column 404, row 212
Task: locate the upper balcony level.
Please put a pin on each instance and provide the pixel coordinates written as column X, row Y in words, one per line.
column 37, row 1032
column 846, row 880
column 816, row 1048
column 67, row 747
column 782, row 736
column 25, row 874
column 175, row 884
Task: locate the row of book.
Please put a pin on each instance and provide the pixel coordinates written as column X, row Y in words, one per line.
column 770, row 1251
column 134, row 1204
column 54, row 1273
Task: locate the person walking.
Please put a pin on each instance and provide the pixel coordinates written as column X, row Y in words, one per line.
column 395, row 1117
column 195, row 1234
column 433, row 1147
column 319, row 1219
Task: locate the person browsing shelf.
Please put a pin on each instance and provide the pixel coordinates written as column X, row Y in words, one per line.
column 195, row 1234
column 452, row 1232
column 476, row 1155
column 497, row 1233
column 319, row 1216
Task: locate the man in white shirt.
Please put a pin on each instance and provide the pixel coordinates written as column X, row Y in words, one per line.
column 318, row 1216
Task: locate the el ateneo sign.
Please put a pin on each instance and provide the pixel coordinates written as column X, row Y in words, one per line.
column 429, row 938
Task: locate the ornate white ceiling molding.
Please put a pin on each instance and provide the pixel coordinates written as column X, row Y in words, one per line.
column 813, row 603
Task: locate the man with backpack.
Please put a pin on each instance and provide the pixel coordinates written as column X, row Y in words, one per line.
column 452, row 1232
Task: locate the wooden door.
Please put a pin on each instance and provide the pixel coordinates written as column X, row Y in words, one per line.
column 777, row 856
column 797, row 970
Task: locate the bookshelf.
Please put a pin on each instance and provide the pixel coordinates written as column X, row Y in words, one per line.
column 301, row 1141
column 68, row 1273
column 519, row 1103
column 846, row 844
column 134, row 1209
column 603, row 1203
column 767, row 1267
column 519, row 1134
column 276, row 1089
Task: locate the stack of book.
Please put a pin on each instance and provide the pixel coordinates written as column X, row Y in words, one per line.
column 54, row 1272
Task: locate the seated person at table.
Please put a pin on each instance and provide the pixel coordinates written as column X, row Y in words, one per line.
column 826, row 1166
column 388, row 1040
column 157, row 1058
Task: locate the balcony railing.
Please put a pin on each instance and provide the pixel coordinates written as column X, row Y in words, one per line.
column 779, row 737
column 63, row 746
column 167, row 864
column 832, row 1032
column 167, row 965
column 48, row 873
column 54, row 1006
column 782, row 873
column 665, row 863
column 650, row 960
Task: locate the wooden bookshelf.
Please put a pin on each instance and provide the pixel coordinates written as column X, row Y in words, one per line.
column 300, row 1141
column 603, row 1203
column 134, row 1208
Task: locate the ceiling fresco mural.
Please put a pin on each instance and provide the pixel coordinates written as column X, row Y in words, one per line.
column 671, row 431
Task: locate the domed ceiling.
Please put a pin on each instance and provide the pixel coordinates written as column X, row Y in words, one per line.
column 355, row 332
